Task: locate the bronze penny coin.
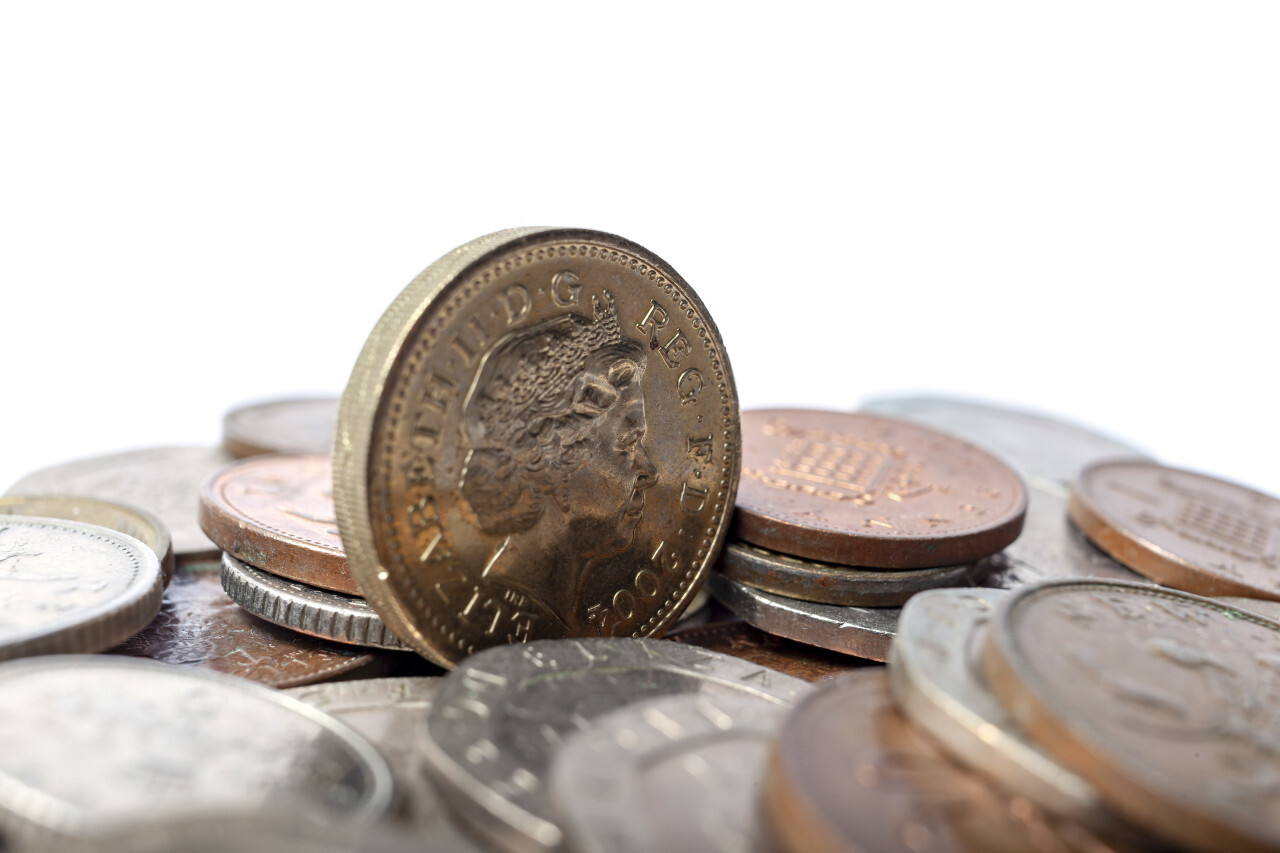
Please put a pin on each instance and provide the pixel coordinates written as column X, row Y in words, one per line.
column 863, row 490
column 199, row 626
column 850, row 773
column 540, row 440
column 302, row 425
column 1165, row 702
column 808, row 580
column 129, row 520
column 1185, row 530
column 276, row 514
column 778, row 653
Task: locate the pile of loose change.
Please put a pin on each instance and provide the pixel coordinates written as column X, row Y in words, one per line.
column 535, row 584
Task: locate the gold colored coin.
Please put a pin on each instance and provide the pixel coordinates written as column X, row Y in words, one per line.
column 540, row 440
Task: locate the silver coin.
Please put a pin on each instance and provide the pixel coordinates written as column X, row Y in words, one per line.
column 91, row 743
column 1050, row 546
column 388, row 712
column 1257, row 606
column 1038, row 446
column 164, row 481
column 809, row 580
column 865, row 632
column 499, row 718
column 676, row 773
column 306, row 609
column 935, row 672
column 67, row 587
column 300, row 426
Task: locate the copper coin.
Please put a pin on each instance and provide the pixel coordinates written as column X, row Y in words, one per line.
column 199, row 626
column 850, row 773
column 808, row 580
column 1165, row 702
column 276, row 514
column 1185, row 530
column 129, row 520
column 862, row 490
column 297, row 426
column 539, row 440
column 787, row 656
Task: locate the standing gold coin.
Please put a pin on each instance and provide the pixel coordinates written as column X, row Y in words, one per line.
column 539, row 440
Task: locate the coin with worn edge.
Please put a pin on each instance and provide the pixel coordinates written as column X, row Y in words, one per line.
column 276, row 514
column 540, row 439
column 1185, row 530
column 750, row 643
column 129, row 520
column 1178, row 732
column 862, row 490
column 809, row 580
column 675, row 773
column 318, row 612
column 1040, row 447
column 68, row 587
column 1258, row 606
column 936, row 676
column 200, row 626
column 94, row 742
column 864, row 632
column 498, row 719
column 302, row 425
column 164, row 481
column 850, row 773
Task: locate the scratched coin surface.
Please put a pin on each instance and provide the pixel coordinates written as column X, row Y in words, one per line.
column 164, row 481
column 810, row 580
column 68, row 587
column 935, row 669
column 539, row 440
column 95, row 742
column 849, row 772
column 198, row 626
column 675, row 773
column 862, row 490
column 865, row 632
column 1040, row 447
column 745, row 641
column 130, row 521
column 497, row 721
column 302, row 425
column 276, row 514
column 1178, row 732
column 1182, row 529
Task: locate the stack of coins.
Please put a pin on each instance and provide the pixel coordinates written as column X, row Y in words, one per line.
column 842, row 517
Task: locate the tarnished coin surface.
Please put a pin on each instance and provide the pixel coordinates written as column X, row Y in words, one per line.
column 164, row 481
column 498, row 719
column 676, row 773
column 849, row 772
column 201, row 627
column 935, row 669
column 862, row 490
column 809, row 580
column 308, row 609
column 1258, row 606
column 68, row 587
column 539, row 440
column 129, row 520
column 697, row 613
column 1178, row 732
column 1185, row 530
column 750, row 643
column 302, row 425
column 865, row 632
column 91, row 743
column 1051, row 546
column 1040, row 447
column 276, row 514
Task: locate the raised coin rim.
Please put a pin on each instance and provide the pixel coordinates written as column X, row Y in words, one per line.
column 241, row 445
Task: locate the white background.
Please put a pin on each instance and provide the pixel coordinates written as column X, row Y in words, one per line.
column 1072, row 207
